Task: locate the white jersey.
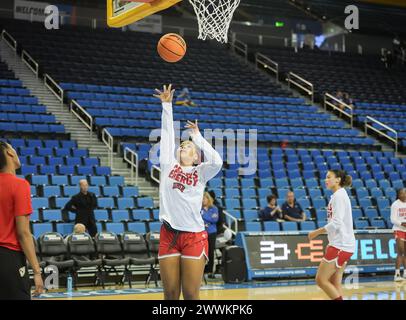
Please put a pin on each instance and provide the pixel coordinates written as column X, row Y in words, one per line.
column 340, row 230
column 398, row 215
column 181, row 188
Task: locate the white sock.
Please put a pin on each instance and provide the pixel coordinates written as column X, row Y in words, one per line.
column 397, row 273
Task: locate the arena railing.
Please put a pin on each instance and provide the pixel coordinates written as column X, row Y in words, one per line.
column 133, row 161
column 109, row 142
column 154, row 169
column 82, row 115
column 367, row 126
column 30, row 62
column 10, row 41
column 300, row 82
column 234, row 219
column 327, row 102
column 240, row 48
column 53, row 86
column 263, row 62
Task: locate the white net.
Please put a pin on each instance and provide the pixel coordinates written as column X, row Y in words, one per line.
column 214, row 17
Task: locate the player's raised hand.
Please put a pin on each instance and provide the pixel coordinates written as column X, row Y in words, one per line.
column 166, row 95
column 193, row 127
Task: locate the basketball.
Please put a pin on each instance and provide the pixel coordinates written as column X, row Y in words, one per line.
column 171, row 47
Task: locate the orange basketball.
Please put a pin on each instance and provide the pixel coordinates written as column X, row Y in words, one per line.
column 171, row 47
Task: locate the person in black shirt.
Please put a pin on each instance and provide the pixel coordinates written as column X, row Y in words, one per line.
column 272, row 212
column 291, row 210
column 83, row 204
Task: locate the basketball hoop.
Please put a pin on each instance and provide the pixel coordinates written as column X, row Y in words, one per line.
column 214, row 18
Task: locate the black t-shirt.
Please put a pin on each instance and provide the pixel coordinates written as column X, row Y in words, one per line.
column 266, row 214
column 293, row 212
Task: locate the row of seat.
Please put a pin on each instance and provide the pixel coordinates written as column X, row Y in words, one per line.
column 39, row 229
column 64, row 170
column 131, row 202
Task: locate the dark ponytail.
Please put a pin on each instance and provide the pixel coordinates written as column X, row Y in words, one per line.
column 3, row 159
column 346, row 180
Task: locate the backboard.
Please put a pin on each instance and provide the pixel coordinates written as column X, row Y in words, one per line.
column 124, row 12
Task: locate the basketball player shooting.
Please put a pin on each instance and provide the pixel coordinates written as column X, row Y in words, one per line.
column 183, row 248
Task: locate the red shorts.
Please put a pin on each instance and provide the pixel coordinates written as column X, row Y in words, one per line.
column 401, row 235
column 337, row 255
column 189, row 245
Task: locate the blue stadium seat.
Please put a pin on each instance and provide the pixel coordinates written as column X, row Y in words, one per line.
column 145, row 202
column 307, row 225
column 141, row 214
column 120, row 215
column 65, row 228
column 59, row 180
column 103, row 171
column 70, row 191
column 289, row 226
column 98, row 181
column 154, row 226
column 61, row 202
column 138, row 227
column 105, row 203
column 115, row 227
column 40, row 203
column 253, row 226
column 129, row 191
column 52, row 215
column 250, row 215
column 40, row 228
column 249, row 203
column 271, row 226
column 111, row 191
column 321, row 214
column 380, row 224
column 95, row 190
column 231, row 204
column 101, row 215
column 361, row 224
column 39, row 180
column 51, row 191
column 125, row 203
column 232, row 193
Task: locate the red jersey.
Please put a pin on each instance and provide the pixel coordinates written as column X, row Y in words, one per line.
column 15, row 200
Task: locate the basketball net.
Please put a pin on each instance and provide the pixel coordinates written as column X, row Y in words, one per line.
column 214, row 18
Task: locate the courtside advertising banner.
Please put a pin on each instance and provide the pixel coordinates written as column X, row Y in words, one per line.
column 292, row 254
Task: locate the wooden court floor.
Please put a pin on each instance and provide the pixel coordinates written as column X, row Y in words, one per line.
column 376, row 290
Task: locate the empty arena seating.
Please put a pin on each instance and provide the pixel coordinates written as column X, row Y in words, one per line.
column 375, row 90
column 102, row 80
column 364, row 77
column 21, row 115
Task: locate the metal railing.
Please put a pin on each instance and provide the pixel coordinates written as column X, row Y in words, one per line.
column 294, row 78
column 341, row 106
column 240, row 47
column 234, row 219
column 155, row 168
column 82, row 115
column 53, row 87
column 109, row 142
column 380, row 132
column 30, row 62
column 10, row 41
column 133, row 161
column 267, row 64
